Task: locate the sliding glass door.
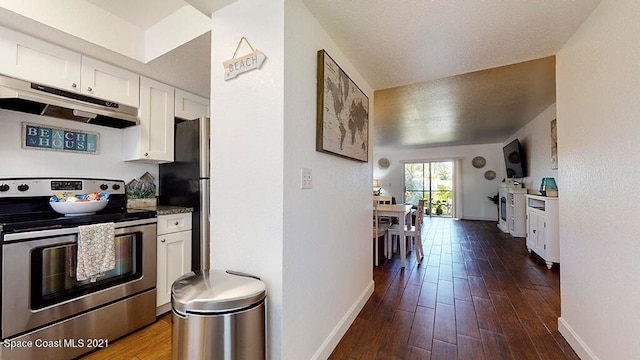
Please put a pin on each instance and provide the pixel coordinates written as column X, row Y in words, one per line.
column 432, row 181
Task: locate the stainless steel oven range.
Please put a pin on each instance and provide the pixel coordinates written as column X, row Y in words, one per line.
column 48, row 313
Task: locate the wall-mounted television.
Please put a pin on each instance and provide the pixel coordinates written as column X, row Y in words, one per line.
column 514, row 160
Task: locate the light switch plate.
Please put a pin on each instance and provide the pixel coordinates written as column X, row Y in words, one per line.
column 306, row 179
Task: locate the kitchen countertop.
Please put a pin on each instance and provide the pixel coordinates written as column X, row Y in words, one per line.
column 169, row 210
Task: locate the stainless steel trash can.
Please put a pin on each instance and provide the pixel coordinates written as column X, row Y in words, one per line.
column 218, row 315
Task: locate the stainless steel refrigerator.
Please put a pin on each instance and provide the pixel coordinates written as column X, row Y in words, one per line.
column 185, row 182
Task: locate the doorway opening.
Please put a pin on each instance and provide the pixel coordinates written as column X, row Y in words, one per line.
column 433, row 182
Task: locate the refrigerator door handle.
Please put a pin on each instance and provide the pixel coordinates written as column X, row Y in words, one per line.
column 205, row 241
column 205, row 131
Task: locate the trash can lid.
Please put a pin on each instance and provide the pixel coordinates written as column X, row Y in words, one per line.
column 215, row 291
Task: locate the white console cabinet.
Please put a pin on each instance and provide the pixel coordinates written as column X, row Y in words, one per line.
column 542, row 228
column 512, row 212
column 174, row 255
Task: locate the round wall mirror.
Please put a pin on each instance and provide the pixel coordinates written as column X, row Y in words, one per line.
column 478, row 162
column 383, row 163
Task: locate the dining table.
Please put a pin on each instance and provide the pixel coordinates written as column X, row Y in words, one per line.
column 400, row 212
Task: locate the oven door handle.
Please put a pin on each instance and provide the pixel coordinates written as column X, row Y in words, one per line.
column 29, row 235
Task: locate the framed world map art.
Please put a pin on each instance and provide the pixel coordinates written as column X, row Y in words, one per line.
column 342, row 125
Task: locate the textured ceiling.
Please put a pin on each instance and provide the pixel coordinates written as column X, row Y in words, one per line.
column 423, row 45
column 475, row 108
column 412, row 52
column 394, row 43
column 138, row 11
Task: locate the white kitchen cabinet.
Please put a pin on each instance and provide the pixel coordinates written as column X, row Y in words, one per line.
column 542, row 228
column 37, row 61
column 31, row 59
column 152, row 140
column 109, row 82
column 174, row 255
column 190, row 106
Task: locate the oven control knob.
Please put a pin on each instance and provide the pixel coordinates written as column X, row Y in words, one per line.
column 23, row 187
column 116, row 186
column 4, row 187
column 104, row 187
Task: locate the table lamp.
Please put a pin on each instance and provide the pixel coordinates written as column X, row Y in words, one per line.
column 548, row 187
column 376, row 187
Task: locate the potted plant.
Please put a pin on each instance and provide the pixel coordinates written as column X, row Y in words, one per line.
column 440, row 205
column 141, row 193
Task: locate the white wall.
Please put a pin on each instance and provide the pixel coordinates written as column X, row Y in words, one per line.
column 598, row 78
column 535, row 140
column 19, row 162
column 475, row 188
column 327, row 248
column 247, row 161
column 311, row 247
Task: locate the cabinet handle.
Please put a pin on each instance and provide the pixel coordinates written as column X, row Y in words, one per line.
column 163, row 240
column 534, row 231
column 89, row 88
column 176, row 223
column 74, row 85
column 146, row 154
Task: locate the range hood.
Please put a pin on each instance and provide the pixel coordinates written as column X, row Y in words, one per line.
column 33, row 98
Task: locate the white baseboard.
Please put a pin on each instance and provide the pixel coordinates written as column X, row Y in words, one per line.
column 163, row 309
column 575, row 341
column 341, row 328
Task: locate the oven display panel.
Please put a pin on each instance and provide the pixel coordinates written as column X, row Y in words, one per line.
column 66, row 185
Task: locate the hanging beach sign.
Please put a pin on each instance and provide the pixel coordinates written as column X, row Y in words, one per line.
column 236, row 66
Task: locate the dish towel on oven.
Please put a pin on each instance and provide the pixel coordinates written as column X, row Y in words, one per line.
column 96, row 251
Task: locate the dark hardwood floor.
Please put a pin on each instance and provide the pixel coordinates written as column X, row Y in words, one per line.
column 478, row 294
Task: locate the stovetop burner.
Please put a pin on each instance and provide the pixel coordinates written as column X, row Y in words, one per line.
column 41, row 221
column 24, row 203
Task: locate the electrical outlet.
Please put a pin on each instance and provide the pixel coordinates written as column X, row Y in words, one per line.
column 306, row 179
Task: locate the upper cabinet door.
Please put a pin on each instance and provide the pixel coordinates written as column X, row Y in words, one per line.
column 108, row 82
column 30, row 59
column 190, row 106
column 152, row 140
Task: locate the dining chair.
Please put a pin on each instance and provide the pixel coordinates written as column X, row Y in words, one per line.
column 413, row 232
column 378, row 231
column 386, row 200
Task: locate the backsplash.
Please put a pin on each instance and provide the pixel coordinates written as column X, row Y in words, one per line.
column 16, row 161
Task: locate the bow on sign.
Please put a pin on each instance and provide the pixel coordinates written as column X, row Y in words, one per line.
column 236, row 66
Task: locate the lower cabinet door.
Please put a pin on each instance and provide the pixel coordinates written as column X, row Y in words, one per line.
column 532, row 232
column 174, row 260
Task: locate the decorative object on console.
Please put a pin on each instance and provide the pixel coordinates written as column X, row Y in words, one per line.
column 376, row 187
column 342, row 124
column 478, row 162
column 141, row 193
column 548, row 187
